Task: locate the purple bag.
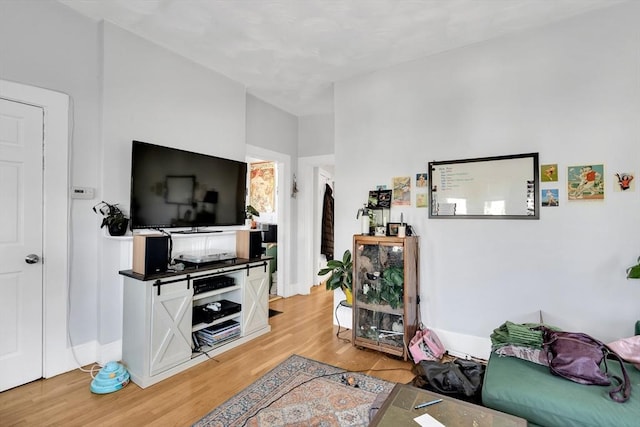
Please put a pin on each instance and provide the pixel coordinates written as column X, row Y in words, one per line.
column 578, row 357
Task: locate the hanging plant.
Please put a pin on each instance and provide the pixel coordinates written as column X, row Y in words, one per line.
column 113, row 218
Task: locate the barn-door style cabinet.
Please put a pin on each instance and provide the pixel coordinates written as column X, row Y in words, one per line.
column 175, row 320
column 385, row 292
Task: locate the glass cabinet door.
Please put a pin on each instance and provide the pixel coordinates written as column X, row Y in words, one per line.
column 379, row 293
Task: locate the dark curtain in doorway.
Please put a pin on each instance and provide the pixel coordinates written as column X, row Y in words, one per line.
column 326, row 246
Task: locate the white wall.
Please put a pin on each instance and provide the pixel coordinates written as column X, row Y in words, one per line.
column 272, row 135
column 316, row 135
column 569, row 91
column 149, row 94
column 270, row 127
column 316, row 148
column 47, row 45
column 156, row 96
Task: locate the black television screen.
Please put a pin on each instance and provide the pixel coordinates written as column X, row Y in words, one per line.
column 173, row 188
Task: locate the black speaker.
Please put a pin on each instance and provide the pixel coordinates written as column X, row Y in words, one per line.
column 150, row 254
column 248, row 244
column 270, row 234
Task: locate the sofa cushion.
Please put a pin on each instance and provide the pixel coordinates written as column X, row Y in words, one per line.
column 530, row 391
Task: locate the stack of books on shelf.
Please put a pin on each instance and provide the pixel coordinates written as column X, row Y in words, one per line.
column 216, row 334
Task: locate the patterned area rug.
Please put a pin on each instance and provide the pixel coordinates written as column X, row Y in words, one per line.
column 302, row 391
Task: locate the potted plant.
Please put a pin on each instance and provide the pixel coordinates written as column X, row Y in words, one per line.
column 113, row 218
column 341, row 275
column 250, row 212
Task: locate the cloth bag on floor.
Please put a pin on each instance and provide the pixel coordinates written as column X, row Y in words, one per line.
column 460, row 378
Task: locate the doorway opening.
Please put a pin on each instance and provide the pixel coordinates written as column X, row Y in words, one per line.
column 262, row 213
column 275, row 224
column 322, row 253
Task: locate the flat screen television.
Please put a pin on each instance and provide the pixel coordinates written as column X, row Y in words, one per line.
column 173, row 188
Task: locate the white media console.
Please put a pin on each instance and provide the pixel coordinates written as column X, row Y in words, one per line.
column 160, row 336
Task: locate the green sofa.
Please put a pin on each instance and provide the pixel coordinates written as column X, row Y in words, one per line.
column 530, row 391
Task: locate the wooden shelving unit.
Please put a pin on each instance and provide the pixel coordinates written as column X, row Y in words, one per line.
column 385, row 292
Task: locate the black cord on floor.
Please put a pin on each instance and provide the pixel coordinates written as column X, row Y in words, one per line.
column 345, row 340
column 198, row 350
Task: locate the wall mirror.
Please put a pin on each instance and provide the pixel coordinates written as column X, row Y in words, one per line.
column 501, row 187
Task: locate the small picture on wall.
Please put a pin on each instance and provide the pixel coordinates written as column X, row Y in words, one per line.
column 422, row 189
column 585, row 182
column 401, row 191
column 421, row 180
column 384, row 198
column 379, row 199
column 422, row 200
column 373, row 199
column 550, row 197
column 549, row 173
column 624, row 182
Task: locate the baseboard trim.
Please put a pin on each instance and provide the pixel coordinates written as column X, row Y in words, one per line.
column 111, row 352
column 85, row 354
column 73, row 358
column 465, row 346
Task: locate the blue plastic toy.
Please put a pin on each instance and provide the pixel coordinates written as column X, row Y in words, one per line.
column 112, row 377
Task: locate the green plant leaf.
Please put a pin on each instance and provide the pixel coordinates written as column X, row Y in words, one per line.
column 252, row 211
column 341, row 272
column 335, row 264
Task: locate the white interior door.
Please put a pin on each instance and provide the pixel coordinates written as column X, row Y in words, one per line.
column 21, row 169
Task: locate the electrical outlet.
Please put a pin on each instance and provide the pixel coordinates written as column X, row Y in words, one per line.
column 82, row 193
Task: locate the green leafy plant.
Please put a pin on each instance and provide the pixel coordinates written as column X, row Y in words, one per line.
column 111, row 213
column 250, row 212
column 341, row 272
column 392, row 289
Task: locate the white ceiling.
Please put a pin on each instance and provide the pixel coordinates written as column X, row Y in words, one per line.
column 289, row 52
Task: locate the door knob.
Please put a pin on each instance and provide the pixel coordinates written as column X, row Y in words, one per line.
column 32, row 259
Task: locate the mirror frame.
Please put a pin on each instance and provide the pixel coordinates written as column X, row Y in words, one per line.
column 485, row 171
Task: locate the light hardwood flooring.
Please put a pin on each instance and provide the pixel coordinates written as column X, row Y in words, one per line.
column 305, row 327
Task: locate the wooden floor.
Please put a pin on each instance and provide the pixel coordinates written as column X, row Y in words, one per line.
column 305, row 327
